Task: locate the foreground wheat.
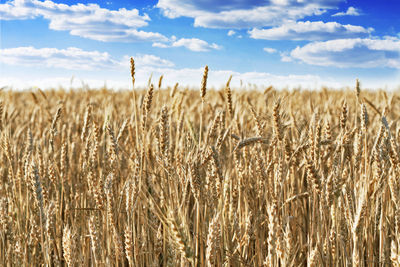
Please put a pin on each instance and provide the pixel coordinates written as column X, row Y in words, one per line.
column 167, row 178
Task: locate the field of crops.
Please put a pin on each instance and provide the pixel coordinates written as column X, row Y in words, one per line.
column 175, row 177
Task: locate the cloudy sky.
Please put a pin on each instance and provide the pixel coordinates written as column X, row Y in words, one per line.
column 308, row 43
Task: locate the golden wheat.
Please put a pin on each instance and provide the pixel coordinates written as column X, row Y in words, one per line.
column 228, row 178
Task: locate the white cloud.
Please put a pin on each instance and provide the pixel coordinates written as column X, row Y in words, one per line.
column 160, row 45
column 18, row 9
column 96, row 69
column 192, row 78
column 314, row 31
column 70, row 58
column 185, row 77
column 285, row 57
column 218, row 78
column 362, row 53
column 351, row 11
column 270, row 50
column 145, row 60
column 193, row 44
column 231, row 33
column 84, row 20
column 73, row 58
column 244, row 14
column 72, row 82
column 90, row 63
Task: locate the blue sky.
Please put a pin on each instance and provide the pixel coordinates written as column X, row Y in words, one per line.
column 307, row 43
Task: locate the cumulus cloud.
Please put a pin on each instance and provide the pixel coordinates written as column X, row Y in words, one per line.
column 193, row 44
column 357, row 52
column 17, row 9
column 270, row 50
column 351, row 11
column 244, row 14
column 73, row 58
column 84, row 20
column 231, row 33
column 314, row 31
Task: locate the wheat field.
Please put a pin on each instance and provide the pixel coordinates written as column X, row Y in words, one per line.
column 165, row 176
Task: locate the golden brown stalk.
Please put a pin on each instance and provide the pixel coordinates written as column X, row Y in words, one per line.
column 113, row 141
column 1, row 115
column 147, row 106
column 37, row 188
column 55, row 120
column 318, row 134
column 86, row 120
column 122, row 130
column 53, row 126
column 129, row 245
column 49, row 225
column 356, row 230
column 3, row 214
column 328, row 132
column 358, row 217
column 68, row 246
column 179, row 239
column 195, row 182
column 372, row 106
column 313, row 258
column 213, row 127
column 63, row 161
column 95, row 147
column 98, row 194
column 313, row 176
column 131, row 195
column 5, row 145
column 108, row 187
column 229, row 81
column 364, row 118
column 260, row 128
column 94, row 237
column 329, row 190
column 173, row 91
column 394, row 189
column 289, row 245
column 358, row 90
column 250, row 141
column 229, row 100
column 395, row 253
column 272, row 235
column 133, row 72
column 204, row 83
column 160, row 82
column 118, row 245
column 213, row 240
column 277, row 120
column 343, row 117
column 164, row 132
